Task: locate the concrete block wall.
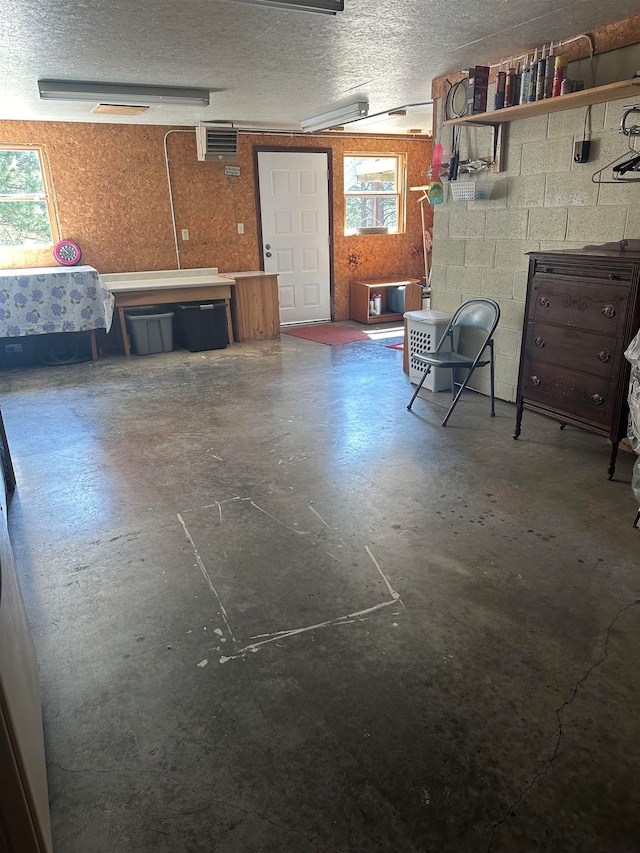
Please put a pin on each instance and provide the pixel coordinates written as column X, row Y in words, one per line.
column 541, row 200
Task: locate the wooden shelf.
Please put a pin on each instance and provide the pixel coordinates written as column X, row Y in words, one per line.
column 387, row 317
column 360, row 294
column 585, row 98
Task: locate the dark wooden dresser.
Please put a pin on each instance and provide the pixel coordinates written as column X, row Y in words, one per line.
column 581, row 312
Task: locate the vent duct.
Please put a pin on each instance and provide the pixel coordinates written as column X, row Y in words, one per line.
column 217, row 143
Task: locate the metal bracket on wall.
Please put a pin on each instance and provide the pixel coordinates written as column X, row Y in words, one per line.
column 497, row 141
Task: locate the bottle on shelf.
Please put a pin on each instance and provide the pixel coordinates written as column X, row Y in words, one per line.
column 372, row 307
column 377, row 299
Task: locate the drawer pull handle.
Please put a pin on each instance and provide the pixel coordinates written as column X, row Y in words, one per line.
column 604, row 356
column 598, row 399
column 609, row 311
column 545, row 302
column 539, row 342
column 535, row 380
column 612, row 277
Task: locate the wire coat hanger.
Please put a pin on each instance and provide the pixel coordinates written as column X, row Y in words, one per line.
column 619, row 165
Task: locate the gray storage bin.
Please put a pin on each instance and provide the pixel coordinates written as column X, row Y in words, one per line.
column 395, row 298
column 150, row 332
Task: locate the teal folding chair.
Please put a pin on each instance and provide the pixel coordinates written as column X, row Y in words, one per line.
column 481, row 314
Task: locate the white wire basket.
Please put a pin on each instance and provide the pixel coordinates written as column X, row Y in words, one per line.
column 462, row 190
column 469, row 190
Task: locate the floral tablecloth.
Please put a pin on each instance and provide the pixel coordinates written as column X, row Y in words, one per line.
column 53, row 299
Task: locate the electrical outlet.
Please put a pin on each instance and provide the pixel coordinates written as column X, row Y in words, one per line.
column 185, row 233
column 240, row 227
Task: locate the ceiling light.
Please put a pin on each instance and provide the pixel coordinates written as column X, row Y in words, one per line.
column 344, row 115
column 118, row 110
column 324, row 7
column 122, row 93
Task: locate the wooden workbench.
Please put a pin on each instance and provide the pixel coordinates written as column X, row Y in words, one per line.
column 159, row 287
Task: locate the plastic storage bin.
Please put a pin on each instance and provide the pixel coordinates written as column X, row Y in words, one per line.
column 151, row 331
column 18, row 352
column 395, row 298
column 201, row 325
column 424, row 330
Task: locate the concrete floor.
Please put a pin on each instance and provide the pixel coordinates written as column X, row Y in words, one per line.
column 471, row 682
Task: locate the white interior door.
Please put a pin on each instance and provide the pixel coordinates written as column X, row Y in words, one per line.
column 294, row 204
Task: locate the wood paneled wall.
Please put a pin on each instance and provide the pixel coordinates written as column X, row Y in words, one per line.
column 112, row 197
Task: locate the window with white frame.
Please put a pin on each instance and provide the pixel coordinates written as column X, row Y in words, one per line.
column 374, row 189
column 27, row 218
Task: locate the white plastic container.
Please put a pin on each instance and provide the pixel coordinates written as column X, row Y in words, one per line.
column 424, row 330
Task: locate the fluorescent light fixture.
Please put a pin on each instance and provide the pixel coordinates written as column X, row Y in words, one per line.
column 323, row 7
column 122, row 94
column 344, row 115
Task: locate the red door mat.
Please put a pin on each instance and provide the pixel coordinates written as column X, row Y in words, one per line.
column 327, row 333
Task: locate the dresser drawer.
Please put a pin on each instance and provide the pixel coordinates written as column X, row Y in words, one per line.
column 602, row 269
column 598, row 307
column 574, row 349
column 589, row 398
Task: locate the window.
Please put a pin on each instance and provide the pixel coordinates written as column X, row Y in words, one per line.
column 26, row 209
column 374, row 188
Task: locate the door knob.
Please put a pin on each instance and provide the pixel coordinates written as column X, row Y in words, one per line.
column 268, row 246
column 268, row 254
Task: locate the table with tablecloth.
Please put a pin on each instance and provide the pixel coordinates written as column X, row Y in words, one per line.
column 54, row 299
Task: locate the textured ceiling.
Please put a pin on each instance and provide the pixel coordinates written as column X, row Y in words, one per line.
column 267, row 66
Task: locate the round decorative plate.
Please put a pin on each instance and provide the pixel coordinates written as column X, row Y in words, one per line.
column 67, row 253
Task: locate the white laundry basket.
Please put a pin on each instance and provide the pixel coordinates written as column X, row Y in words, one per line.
column 424, row 330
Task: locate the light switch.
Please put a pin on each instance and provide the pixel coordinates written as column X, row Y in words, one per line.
column 240, row 227
column 185, row 233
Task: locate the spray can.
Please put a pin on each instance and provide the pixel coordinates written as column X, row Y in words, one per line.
column 541, row 77
column 548, row 77
column 498, row 100
column 510, row 95
column 377, row 299
column 525, row 81
column 559, row 73
column 533, row 79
